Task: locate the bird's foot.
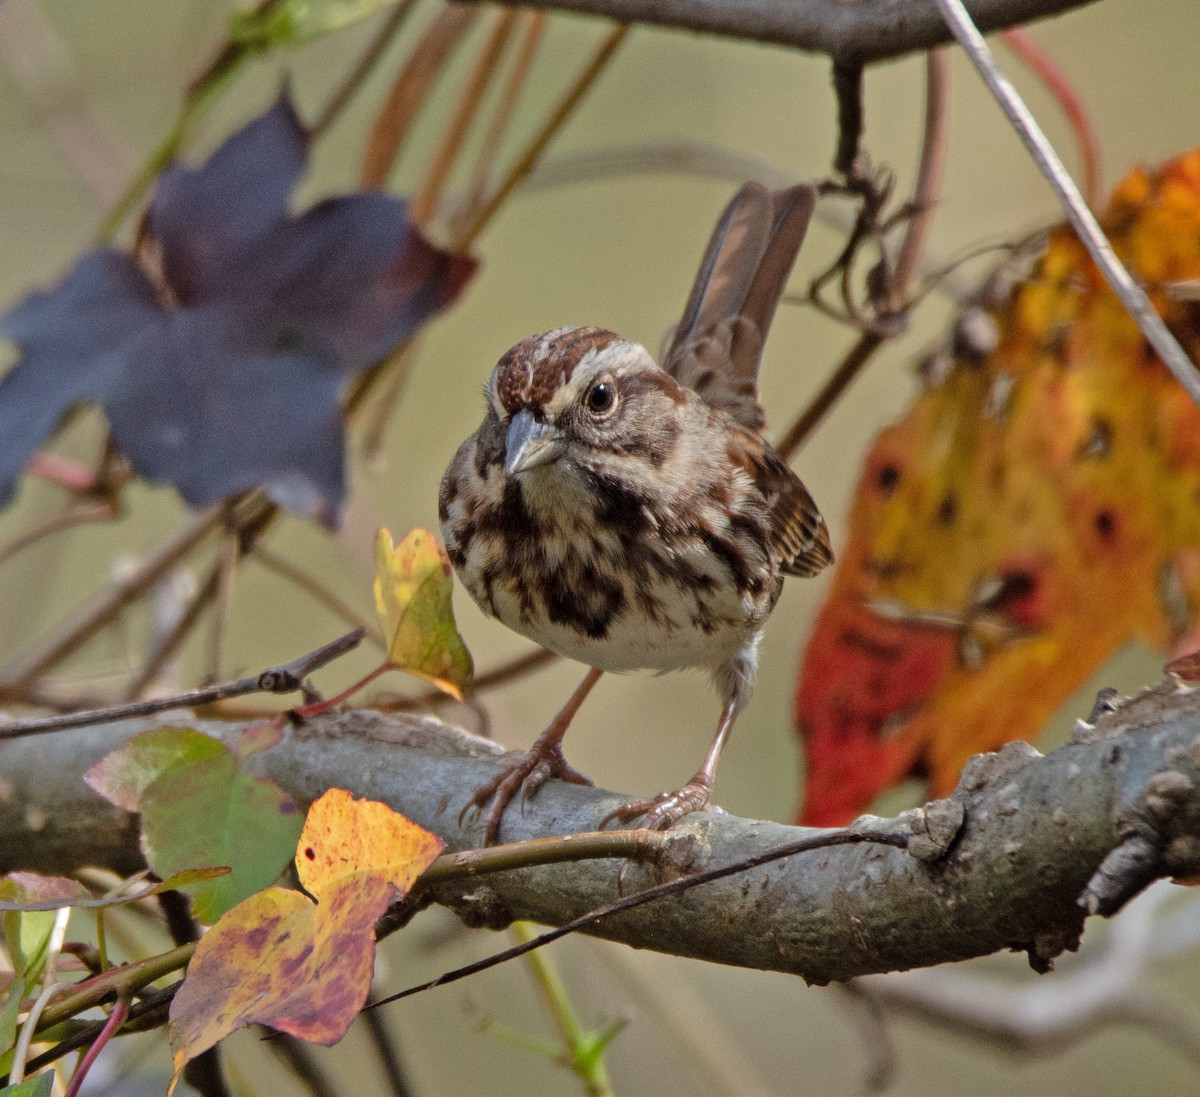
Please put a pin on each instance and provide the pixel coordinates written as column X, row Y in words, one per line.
column 667, row 808
column 543, row 761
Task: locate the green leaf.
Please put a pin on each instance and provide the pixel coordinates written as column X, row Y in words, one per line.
column 8, row 1014
column 25, row 936
column 41, row 1086
column 122, row 776
column 211, row 812
column 412, row 600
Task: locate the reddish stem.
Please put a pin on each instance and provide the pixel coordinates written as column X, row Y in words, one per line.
column 316, row 708
column 116, row 1019
column 1056, row 82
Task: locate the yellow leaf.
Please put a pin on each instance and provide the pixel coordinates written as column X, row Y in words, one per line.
column 412, row 597
column 344, row 837
column 282, row 960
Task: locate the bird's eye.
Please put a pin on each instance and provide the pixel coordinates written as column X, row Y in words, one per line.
column 601, row 398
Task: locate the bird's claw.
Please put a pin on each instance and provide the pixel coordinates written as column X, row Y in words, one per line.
column 664, row 810
column 527, row 774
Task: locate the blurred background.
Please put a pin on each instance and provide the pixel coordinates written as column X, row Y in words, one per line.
column 618, row 252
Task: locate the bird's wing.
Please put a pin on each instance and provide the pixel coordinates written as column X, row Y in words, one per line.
column 717, row 347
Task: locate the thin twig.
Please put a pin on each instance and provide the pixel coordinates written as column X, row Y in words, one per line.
column 506, row 105
column 910, row 256
column 837, row 383
column 169, row 644
column 392, row 373
column 225, row 64
column 299, row 1058
column 810, row 842
column 1026, row 48
column 424, row 202
column 685, row 157
column 281, row 679
column 357, row 76
column 410, row 91
column 1081, row 218
column 549, row 129
column 119, row 595
column 384, row 1045
column 118, row 1016
column 247, row 524
column 39, row 63
column 928, row 189
column 228, row 557
column 75, row 515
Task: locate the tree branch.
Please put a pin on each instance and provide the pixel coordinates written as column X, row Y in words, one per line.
column 858, row 33
column 1044, row 839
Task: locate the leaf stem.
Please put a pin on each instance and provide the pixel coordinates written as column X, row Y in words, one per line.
column 126, row 979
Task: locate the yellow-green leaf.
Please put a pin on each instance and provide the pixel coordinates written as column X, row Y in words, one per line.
column 412, row 597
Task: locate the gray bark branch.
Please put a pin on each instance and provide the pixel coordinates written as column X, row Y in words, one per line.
column 854, row 33
column 1045, row 840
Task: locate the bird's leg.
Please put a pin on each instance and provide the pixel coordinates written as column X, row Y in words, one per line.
column 667, row 808
column 536, row 766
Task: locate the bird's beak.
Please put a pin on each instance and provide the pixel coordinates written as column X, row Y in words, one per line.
column 530, row 443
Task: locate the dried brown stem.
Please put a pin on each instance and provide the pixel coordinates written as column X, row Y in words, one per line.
column 280, row 679
column 409, row 92
column 109, row 605
column 362, row 69
column 315, row 590
column 245, row 529
column 930, row 173
column 75, row 514
column 558, row 117
column 506, row 104
column 228, row 558
column 428, row 195
column 169, row 644
column 1043, row 66
column 924, row 203
column 837, row 383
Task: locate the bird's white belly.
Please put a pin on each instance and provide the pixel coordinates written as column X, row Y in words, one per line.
column 632, row 641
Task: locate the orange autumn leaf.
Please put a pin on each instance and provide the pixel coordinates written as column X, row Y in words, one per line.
column 412, row 599
column 1036, row 510
column 282, row 960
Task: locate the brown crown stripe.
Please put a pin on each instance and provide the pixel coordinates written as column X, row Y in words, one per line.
column 531, row 372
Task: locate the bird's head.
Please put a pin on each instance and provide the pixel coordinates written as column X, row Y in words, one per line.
column 584, row 396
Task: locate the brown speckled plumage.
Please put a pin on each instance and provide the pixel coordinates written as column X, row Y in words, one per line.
column 633, row 517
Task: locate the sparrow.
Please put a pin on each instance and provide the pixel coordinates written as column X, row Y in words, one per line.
column 633, row 516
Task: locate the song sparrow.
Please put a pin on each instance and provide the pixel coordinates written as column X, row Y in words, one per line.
column 633, row 517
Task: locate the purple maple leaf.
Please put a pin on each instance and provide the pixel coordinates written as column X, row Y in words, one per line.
column 223, row 370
